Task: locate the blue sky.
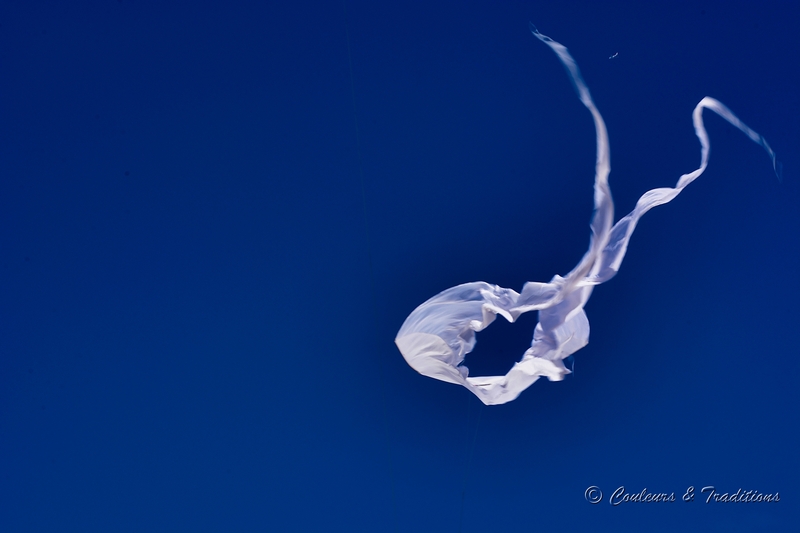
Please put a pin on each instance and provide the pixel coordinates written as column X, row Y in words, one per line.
column 203, row 266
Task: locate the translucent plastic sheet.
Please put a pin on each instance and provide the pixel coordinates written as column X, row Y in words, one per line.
column 438, row 334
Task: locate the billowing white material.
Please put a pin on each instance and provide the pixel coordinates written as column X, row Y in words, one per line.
column 438, row 334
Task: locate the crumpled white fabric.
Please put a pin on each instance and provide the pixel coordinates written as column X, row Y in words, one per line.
column 438, row 334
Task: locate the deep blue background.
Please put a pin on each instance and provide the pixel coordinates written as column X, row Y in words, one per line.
column 192, row 337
